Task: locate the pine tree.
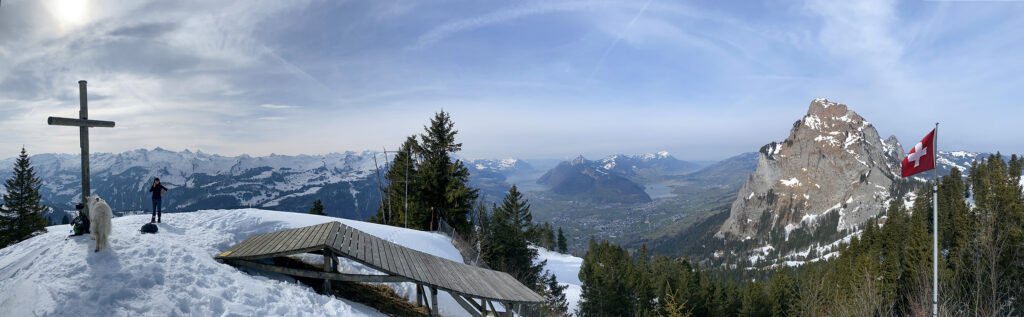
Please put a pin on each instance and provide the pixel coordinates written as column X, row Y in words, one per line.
column 65, row 220
column 556, row 303
column 509, row 251
column 444, row 183
column 22, row 214
column 318, row 208
column 675, row 304
column 562, row 246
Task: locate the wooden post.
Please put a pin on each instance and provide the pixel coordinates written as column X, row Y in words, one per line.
column 83, row 140
column 328, row 265
column 419, row 295
column 433, row 302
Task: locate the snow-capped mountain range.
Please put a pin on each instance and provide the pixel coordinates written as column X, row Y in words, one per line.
column 345, row 182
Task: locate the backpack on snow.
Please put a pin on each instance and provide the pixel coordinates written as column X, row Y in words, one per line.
column 149, row 228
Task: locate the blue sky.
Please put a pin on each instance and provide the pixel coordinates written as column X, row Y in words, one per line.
column 703, row 80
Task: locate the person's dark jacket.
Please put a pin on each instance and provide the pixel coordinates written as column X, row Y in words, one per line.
column 157, row 190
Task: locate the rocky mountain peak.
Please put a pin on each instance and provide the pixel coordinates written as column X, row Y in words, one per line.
column 579, row 160
column 824, row 107
column 832, row 161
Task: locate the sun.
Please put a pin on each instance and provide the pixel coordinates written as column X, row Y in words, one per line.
column 69, row 13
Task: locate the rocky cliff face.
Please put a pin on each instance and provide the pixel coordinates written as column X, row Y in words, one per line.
column 832, row 162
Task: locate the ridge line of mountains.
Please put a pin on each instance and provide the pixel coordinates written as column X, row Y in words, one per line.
column 833, row 167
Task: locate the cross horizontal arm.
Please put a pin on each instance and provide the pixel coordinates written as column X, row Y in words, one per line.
column 79, row 122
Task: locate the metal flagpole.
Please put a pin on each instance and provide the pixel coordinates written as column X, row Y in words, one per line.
column 935, row 221
column 408, row 157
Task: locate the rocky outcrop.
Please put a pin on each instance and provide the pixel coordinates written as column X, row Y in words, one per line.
column 832, row 161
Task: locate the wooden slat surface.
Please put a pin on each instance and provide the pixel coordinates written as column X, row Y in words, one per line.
column 387, row 257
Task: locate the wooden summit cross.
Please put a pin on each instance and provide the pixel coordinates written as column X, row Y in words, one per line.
column 83, row 123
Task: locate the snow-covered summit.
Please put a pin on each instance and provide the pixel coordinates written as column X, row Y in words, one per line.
column 173, row 272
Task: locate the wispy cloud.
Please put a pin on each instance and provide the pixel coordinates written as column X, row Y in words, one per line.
column 273, row 106
column 522, row 79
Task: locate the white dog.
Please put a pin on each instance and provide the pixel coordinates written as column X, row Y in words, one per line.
column 99, row 221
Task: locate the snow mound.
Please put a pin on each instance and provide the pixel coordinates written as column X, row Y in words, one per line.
column 174, row 273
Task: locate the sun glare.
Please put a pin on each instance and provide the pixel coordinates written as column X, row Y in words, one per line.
column 69, row 13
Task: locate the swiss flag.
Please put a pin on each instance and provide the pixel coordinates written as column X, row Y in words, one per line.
column 921, row 158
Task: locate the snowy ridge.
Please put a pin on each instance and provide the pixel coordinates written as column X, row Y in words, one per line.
column 204, row 181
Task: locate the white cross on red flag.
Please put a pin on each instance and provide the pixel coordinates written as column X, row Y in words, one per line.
column 921, row 158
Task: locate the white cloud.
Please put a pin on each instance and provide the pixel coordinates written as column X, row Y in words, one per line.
column 273, row 106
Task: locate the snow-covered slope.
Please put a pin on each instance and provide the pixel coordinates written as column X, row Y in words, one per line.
column 566, row 269
column 173, row 272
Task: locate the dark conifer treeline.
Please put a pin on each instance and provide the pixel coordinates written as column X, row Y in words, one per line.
column 886, row 271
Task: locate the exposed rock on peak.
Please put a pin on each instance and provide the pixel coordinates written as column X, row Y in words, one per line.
column 832, row 161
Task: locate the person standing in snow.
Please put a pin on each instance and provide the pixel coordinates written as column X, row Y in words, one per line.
column 157, row 191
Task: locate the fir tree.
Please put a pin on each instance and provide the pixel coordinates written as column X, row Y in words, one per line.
column 318, row 208
column 562, row 246
column 444, row 183
column 65, row 220
column 675, row 304
column 22, row 214
column 509, row 251
column 556, row 303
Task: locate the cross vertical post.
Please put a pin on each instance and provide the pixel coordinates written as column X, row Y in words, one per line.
column 83, row 140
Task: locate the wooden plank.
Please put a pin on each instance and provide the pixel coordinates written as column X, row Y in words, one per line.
column 412, row 266
column 434, row 276
column 259, row 243
column 307, row 237
column 284, row 239
column 292, row 239
column 460, row 272
column 398, row 261
column 319, row 274
column 338, row 236
column 351, row 243
column 251, row 245
column 319, row 235
column 422, row 274
column 330, row 235
column 272, row 243
column 325, row 235
column 382, row 246
column 239, row 249
column 465, row 275
column 490, row 285
column 375, row 252
column 364, row 247
column 265, row 245
column 361, row 248
column 444, row 269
